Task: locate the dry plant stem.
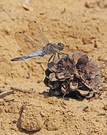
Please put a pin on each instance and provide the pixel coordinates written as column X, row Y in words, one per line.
column 42, row 66
column 22, row 90
column 5, row 93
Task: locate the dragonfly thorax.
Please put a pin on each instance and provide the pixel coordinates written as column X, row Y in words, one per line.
column 53, row 47
column 57, row 47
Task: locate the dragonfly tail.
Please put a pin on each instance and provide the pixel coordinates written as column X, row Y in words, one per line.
column 20, row 58
column 38, row 53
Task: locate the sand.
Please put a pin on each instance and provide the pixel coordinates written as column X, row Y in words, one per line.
column 25, row 106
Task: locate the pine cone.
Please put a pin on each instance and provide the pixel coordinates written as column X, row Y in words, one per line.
column 73, row 75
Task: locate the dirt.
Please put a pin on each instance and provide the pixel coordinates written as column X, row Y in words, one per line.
column 25, row 107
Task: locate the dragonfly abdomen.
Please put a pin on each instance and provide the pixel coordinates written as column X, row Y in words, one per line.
column 49, row 49
column 38, row 53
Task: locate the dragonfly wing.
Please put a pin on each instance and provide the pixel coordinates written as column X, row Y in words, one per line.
column 25, row 42
column 36, row 33
column 31, row 40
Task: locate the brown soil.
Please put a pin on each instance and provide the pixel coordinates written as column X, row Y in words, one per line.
column 80, row 25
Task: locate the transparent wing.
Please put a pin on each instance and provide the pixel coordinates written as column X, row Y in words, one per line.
column 32, row 40
column 36, row 33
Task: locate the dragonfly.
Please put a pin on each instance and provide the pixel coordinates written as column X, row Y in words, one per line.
column 33, row 43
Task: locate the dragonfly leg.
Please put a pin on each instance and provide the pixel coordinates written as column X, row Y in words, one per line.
column 54, row 55
column 51, row 57
column 62, row 54
column 59, row 56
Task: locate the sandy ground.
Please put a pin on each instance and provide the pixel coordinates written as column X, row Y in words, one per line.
column 80, row 25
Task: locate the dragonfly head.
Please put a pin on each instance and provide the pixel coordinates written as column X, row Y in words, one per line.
column 60, row 46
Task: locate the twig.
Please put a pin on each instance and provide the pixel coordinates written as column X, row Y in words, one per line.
column 43, row 68
column 4, row 93
column 22, row 90
column 26, row 5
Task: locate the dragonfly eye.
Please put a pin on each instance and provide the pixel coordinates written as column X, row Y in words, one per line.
column 61, row 46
